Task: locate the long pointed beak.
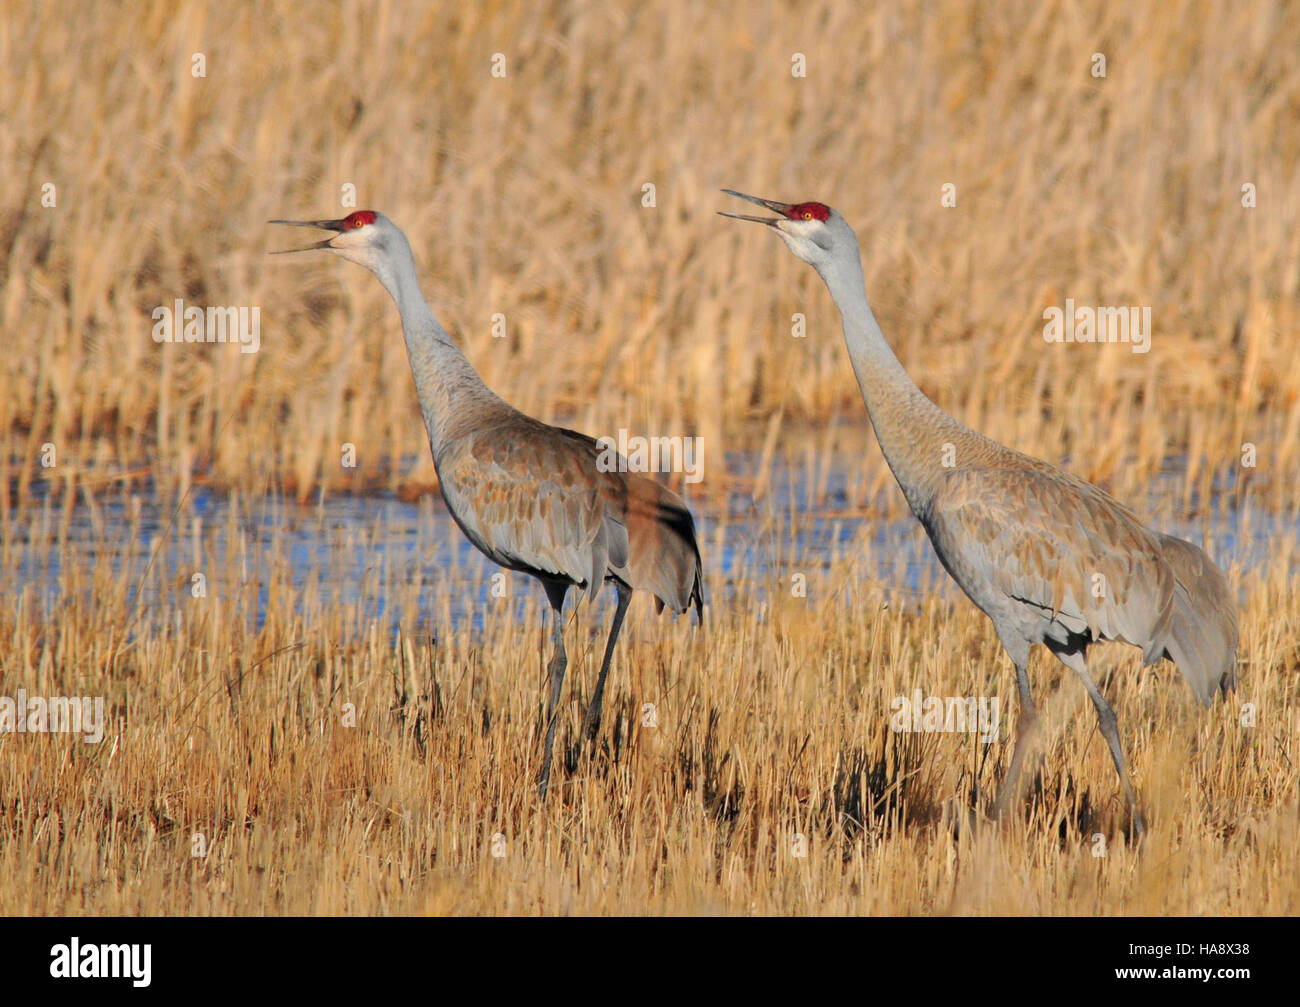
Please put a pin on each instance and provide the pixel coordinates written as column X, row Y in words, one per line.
column 326, row 225
column 771, row 204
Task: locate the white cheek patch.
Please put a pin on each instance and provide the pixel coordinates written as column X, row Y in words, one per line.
column 800, row 243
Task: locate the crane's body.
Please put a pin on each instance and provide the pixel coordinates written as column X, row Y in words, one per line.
column 1048, row 557
column 530, row 496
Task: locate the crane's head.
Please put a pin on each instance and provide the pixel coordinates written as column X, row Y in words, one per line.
column 813, row 231
column 365, row 237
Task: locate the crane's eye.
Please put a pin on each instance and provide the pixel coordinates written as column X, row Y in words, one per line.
column 358, row 223
column 807, row 214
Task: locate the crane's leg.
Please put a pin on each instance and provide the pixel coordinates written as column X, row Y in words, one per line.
column 555, row 593
column 1026, row 737
column 591, row 726
column 1077, row 661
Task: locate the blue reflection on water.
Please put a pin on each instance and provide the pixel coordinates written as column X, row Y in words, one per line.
column 367, row 552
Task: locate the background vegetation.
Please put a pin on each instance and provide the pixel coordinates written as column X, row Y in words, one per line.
column 523, row 195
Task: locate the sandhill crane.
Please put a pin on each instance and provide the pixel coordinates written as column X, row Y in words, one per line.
column 530, row 496
column 1048, row 557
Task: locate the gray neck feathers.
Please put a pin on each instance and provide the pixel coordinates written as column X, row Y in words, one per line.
column 914, row 433
column 452, row 395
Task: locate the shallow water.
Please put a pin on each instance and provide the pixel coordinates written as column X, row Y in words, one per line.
column 402, row 565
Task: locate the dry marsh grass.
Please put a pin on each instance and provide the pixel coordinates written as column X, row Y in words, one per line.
column 771, row 723
column 522, row 196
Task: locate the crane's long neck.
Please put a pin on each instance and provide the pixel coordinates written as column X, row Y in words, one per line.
column 914, row 433
column 452, row 395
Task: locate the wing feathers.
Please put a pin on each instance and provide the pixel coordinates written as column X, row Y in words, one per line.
column 533, row 498
column 1071, row 560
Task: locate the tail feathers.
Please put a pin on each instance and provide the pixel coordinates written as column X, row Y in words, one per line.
column 1200, row 633
column 663, row 556
column 679, row 576
column 695, row 598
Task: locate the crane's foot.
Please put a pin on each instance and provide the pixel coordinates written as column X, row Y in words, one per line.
column 1138, row 829
column 1010, row 793
column 1000, row 816
column 961, row 819
column 591, row 724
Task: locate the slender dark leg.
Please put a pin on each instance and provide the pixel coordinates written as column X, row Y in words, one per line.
column 1026, row 732
column 1110, row 731
column 555, row 592
column 591, row 726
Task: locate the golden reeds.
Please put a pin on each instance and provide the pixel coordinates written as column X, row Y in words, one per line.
column 321, row 766
column 523, row 196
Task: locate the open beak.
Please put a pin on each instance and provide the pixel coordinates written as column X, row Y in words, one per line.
column 327, row 225
column 771, row 204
